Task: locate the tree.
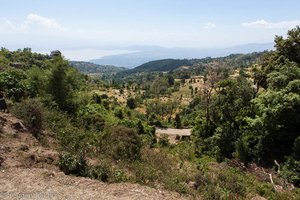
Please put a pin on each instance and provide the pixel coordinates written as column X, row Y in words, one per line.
column 13, row 82
column 170, row 79
column 177, row 121
column 58, row 85
column 63, row 82
column 170, row 108
column 275, row 126
column 131, row 103
column 289, row 47
column 140, row 128
column 228, row 107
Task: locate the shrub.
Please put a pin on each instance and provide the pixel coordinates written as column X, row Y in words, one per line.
column 177, row 121
column 94, row 121
column 31, row 112
column 140, row 128
column 291, row 171
column 71, row 164
column 163, row 141
column 96, row 98
column 123, row 143
column 131, row 103
column 119, row 175
column 13, row 83
column 91, row 117
column 105, row 104
column 242, row 151
column 100, row 172
column 119, row 113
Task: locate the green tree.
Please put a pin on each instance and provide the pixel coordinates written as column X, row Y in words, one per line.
column 177, row 121
column 227, row 111
column 58, row 84
column 131, row 103
column 275, row 126
column 63, row 82
column 14, row 84
column 140, row 128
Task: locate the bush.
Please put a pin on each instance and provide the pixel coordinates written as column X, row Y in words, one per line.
column 96, row 98
column 119, row 175
column 119, row 113
column 71, row 164
column 140, row 128
column 31, row 112
column 242, row 150
column 100, row 172
column 123, row 143
column 163, row 141
column 94, row 121
column 131, row 103
column 13, row 83
column 291, row 171
column 91, row 117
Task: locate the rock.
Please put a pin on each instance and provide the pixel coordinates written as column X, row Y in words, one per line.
column 19, row 126
column 192, row 184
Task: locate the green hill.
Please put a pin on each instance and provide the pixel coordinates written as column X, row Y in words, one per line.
column 162, row 65
column 91, row 68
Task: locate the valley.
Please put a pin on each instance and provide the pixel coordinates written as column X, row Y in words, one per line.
column 206, row 128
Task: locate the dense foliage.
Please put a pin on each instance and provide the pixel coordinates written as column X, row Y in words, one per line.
column 91, row 68
column 259, row 122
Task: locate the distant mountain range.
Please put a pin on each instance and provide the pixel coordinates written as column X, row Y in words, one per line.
column 167, row 65
column 144, row 54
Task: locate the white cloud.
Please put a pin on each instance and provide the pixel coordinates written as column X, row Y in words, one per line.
column 272, row 25
column 46, row 23
column 32, row 23
column 210, row 25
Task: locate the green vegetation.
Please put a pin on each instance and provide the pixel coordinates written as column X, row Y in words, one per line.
column 162, row 65
column 100, row 70
column 243, row 110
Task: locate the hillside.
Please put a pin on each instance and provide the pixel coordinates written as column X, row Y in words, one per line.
column 162, row 65
column 91, row 68
column 192, row 66
column 23, row 157
column 242, row 110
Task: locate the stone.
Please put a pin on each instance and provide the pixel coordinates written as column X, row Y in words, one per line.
column 19, row 126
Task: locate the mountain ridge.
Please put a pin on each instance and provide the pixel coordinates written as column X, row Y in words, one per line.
column 146, row 54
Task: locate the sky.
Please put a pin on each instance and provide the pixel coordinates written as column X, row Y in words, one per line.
column 108, row 27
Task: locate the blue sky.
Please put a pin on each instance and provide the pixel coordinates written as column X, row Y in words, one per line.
column 112, row 25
